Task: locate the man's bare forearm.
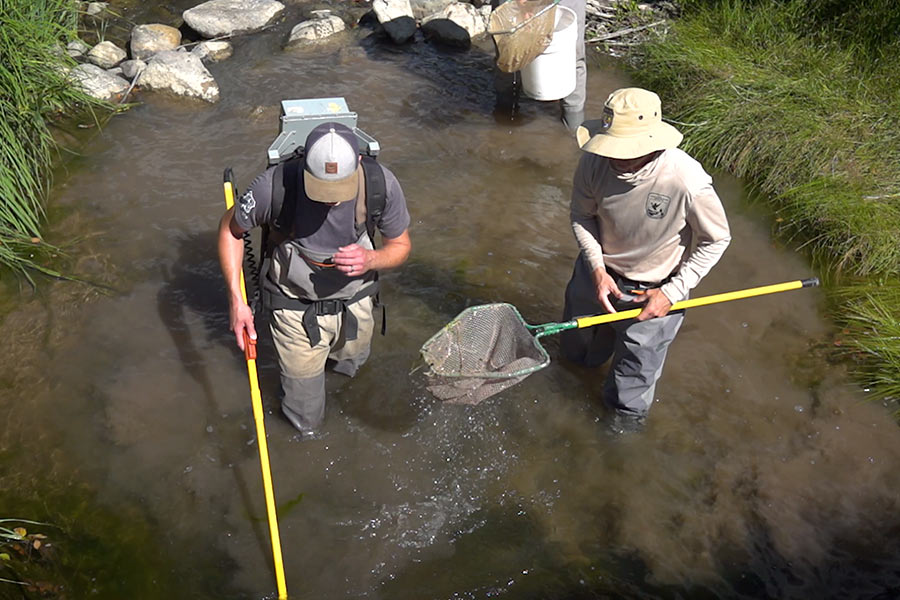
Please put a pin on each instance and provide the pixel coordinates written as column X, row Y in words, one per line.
column 231, row 257
column 393, row 253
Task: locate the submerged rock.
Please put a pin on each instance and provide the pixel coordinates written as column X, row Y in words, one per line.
column 213, row 51
column 227, row 17
column 147, row 40
column 180, row 73
column 98, row 83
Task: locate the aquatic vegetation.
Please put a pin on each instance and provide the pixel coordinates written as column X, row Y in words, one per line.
column 872, row 329
column 18, row 548
column 798, row 97
column 34, row 89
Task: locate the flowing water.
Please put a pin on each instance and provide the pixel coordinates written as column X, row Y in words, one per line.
column 762, row 473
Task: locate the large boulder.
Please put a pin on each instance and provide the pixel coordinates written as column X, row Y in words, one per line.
column 98, row 83
column 227, row 17
column 106, row 55
column 180, row 73
column 456, row 25
column 396, row 16
column 147, row 40
column 319, row 28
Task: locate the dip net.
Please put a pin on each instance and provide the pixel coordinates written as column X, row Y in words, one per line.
column 521, row 29
column 481, row 352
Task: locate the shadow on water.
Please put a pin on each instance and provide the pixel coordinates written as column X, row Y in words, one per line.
column 190, row 287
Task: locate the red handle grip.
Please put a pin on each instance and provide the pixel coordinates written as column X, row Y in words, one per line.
column 249, row 347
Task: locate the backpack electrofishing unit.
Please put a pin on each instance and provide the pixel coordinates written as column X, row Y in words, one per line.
column 286, row 153
column 298, row 119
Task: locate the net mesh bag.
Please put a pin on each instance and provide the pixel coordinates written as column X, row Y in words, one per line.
column 521, row 29
column 481, row 352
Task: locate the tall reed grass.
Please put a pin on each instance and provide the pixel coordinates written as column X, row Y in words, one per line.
column 34, row 88
column 799, row 98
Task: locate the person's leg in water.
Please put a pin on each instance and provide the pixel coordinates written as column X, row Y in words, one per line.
column 347, row 356
column 573, row 104
column 302, row 369
column 638, row 350
column 637, row 364
column 507, row 86
column 590, row 346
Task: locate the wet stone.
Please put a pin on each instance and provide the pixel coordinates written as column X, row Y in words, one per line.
column 214, row 51
column 227, row 17
column 147, row 40
column 106, row 55
column 98, row 83
column 316, row 29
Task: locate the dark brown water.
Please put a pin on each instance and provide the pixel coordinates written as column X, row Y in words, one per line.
column 763, row 472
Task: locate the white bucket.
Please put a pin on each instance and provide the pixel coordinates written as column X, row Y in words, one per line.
column 551, row 75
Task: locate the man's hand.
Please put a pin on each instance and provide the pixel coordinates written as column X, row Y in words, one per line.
column 605, row 285
column 657, row 305
column 354, row 260
column 241, row 320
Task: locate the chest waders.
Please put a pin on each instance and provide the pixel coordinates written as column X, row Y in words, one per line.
column 319, row 289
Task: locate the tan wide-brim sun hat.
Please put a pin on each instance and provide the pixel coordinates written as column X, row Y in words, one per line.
column 631, row 126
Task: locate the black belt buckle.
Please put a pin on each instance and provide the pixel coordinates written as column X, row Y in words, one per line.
column 329, row 307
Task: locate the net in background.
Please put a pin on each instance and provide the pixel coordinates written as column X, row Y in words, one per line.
column 481, row 352
column 521, row 29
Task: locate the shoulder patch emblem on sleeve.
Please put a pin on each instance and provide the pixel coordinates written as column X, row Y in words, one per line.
column 247, row 203
column 657, row 205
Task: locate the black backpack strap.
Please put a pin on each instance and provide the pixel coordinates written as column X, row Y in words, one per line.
column 284, row 194
column 376, row 199
column 376, row 195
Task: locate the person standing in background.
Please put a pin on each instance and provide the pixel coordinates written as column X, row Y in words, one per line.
column 507, row 85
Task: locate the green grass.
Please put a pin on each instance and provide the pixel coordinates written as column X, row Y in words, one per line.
column 872, row 333
column 798, row 97
column 33, row 90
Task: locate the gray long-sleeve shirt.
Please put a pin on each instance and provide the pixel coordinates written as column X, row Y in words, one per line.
column 664, row 218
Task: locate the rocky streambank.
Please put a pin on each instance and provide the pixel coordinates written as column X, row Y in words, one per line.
column 172, row 57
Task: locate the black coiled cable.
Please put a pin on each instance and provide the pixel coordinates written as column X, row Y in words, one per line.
column 252, row 267
column 251, row 264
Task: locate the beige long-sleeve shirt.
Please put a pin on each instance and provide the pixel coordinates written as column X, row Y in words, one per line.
column 664, row 218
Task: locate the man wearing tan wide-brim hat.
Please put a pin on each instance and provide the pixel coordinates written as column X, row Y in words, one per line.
column 649, row 226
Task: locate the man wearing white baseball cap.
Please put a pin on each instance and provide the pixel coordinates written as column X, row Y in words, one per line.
column 322, row 282
column 649, row 226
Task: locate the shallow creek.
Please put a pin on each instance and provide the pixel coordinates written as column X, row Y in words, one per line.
column 762, row 473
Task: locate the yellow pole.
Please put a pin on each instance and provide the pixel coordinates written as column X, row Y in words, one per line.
column 258, row 417
column 703, row 301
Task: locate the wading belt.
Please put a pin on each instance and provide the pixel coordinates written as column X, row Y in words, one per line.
column 311, row 309
column 631, row 284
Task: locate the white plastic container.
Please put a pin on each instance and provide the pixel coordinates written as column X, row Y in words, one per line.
column 551, row 75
